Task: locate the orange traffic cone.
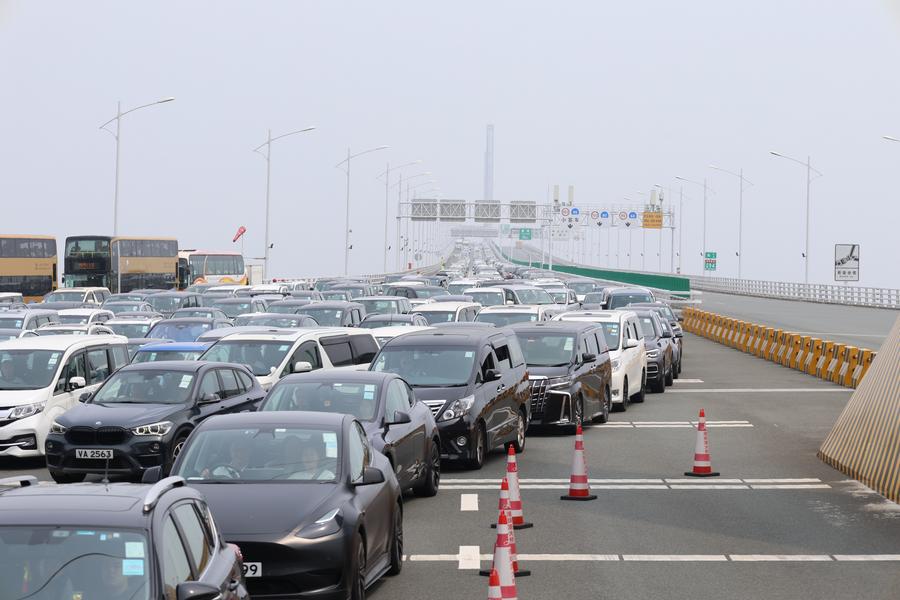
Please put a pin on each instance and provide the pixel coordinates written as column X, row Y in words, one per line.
column 503, row 560
column 702, row 464
column 579, row 488
column 494, row 586
column 513, row 551
column 515, row 497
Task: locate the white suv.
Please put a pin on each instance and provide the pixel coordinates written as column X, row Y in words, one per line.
column 625, row 339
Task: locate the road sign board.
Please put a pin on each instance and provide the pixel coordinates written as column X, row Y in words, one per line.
column 632, row 215
column 846, row 262
column 525, row 234
column 711, row 255
column 564, row 211
column 575, row 211
column 652, row 220
column 709, row 264
column 595, row 215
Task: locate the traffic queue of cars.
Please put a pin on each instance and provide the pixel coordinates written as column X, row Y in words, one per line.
column 276, row 432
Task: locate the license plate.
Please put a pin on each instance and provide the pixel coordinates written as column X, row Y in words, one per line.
column 88, row 453
column 252, row 569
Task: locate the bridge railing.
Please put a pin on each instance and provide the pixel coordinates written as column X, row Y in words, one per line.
column 807, row 292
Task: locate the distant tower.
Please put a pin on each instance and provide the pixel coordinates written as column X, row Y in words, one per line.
column 489, row 165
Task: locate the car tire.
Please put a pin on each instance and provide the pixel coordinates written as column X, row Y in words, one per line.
column 397, row 543
column 518, row 443
column 577, row 415
column 659, row 384
column 174, row 450
column 676, row 370
column 625, row 399
column 479, row 448
column 603, row 417
column 357, row 583
column 60, row 477
column 639, row 397
column 432, row 479
column 670, row 375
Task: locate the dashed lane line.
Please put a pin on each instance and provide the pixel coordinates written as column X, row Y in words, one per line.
column 803, row 483
column 824, row 390
column 468, row 502
column 470, row 558
column 671, row 424
column 683, row 380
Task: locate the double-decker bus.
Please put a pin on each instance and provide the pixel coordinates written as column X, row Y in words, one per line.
column 122, row 263
column 28, row 265
column 204, row 267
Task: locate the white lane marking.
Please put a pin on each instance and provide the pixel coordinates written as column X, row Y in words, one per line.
column 672, row 424
column 691, row 480
column 785, row 480
column 682, row 380
column 704, row 481
column 866, row 557
column 792, row 486
column 763, row 391
column 675, row 557
column 468, row 502
column 708, row 486
column 568, row 557
column 469, row 557
column 781, row 557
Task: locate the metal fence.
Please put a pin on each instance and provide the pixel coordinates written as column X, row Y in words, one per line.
column 806, row 292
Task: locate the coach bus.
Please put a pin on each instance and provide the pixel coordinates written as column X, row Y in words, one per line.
column 28, row 265
column 219, row 268
column 122, row 264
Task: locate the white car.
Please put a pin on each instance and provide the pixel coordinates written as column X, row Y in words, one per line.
column 85, row 295
column 43, row 377
column 458, row 286
column 486, row 296
column 274, row 354
column 504, row 315
column 95, row 329
column 448, row 312
column 625, row 339
column 385, row 334
column 133, row 327
column 85, row 316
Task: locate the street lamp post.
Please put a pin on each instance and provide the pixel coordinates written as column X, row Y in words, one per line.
column 743, row 180
column 347, row 208
column 809, row 179
column 118, row 136
column 268, row 156
column 387, row 181
column 705, row 189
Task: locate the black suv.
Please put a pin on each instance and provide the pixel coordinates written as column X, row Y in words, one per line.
column 659, row 345
column 140, row 417
column 474, row 381
column 570, row 371
column 117, row 542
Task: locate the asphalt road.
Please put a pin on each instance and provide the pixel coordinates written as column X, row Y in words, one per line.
column 778, row 523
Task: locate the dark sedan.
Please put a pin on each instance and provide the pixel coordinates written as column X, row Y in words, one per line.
column 398, row 425
column 659, row 345
column 314, row 508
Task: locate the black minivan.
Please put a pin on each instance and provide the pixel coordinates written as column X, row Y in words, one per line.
column 474, row 381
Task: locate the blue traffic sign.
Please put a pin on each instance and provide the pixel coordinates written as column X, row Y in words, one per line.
column 604, row 214
column 575, row 212
column 632, row 215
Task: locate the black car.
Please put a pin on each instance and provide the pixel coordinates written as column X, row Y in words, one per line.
column 140, row 417
column 570, row 372
column 393, row 320
column 233, row 306
column 416, row 291
column 185, row 329
column 474, row 381
column 168, row 302
column 398, row 425
column 289, row 306
column 335, row 314
column 315, row 509
column 121, row 542
column 668, row 316
column 658, row 344
column 621, row 297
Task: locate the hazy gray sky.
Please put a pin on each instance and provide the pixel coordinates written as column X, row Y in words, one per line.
column 612, row 97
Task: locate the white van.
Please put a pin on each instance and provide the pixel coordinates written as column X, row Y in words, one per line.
column 625, row 339
column 448, row 312
column 43, row 377
column 273, row 354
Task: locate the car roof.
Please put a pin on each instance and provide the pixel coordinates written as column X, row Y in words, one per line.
column 497, row 290
column 629, row 290
column 341, row 375
column 388, row 298
column 391, row 317
column 609, row 316
column 334, row 304
column 175, row 294
column 59, row 343
column 453, row 337
column 191, row 366
column 442, row 306
column 287, row 418
column 513, row 308
column 232, row 300
column 562, row 326
column 179, row 320
column 83, row 311
column 286, row 334
column 175, row 346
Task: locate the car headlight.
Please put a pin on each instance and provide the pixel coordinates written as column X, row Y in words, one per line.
column 26, row 410
column 616, row 362
column 161, row 428
column 457, row 408
column 327, row 524
column 652, row 353
column 55, row 427
column 554, row 382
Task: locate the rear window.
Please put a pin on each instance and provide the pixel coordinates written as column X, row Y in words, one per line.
column 364, row 348
column 339, row 353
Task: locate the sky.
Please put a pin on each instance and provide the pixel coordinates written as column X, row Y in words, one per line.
column 611, row 97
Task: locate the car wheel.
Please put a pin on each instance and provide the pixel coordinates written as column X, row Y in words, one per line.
column 357, row 582
column 397, row 543
column 518, row 444
column 577, row 414
column 670, row 375
column 432, row 480
column 625, row 399
column 603, row 417
column 174, row 451
column 60, row 477
column 639, row 397
column 479, row 448
column 676, row 369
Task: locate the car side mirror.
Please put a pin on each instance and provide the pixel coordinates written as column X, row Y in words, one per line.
column 152, row 475
column 76, row 383
column 302, row 367
column 588, row 357
column 195, row 590
column 491, row 375
column 400, row 418
column 209, row 398
column 630, row 343
column 371, row 476
column 84, row 397
column 678, row 334
column 510, row 302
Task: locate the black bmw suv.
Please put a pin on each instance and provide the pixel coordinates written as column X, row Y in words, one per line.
column 141, row 416
column 119, row 542
column 474, row 381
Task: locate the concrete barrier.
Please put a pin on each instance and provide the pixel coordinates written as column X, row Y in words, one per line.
column 849, row 366
column 834, row 363
column 812, row 360
column 822, row 364
column 798, row 359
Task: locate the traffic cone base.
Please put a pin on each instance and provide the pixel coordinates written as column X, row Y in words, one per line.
column 692, row 474
column 583, row 498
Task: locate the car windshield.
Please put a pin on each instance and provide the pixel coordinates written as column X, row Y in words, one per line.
column 74, row 319
column 164, row 304
column 155, row 355
column 199, row 313
column 426, row 366
column 502, row 319
column 534, row 296
column 11, row 322
column 429, row 293
column 179, row 332
column 546, row 350
column 263, row 357
column 611, row 333
column 648, row 328
column 233, row 309
column 377, row 324
column 64, row 296
column 129, row 330
column 267, row 321
column 593, row 298
column 326, row 317
column 486, row 298
column 620, row 300
column 120, row 308
column 357, row 399
column 153, row 386
column 27, row 369
column 379, row 307
column 559, row 296
column 458, row 288
column 337, row 295
column 272, row 453
column 582, row 287
column 439, row 316
column 51, row 562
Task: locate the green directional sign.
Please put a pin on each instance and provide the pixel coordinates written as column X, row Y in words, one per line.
column 524, row 234
column 709, row 261
column 711, row 255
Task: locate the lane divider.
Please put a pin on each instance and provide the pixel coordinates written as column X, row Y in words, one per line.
column 470, row 557
column 647, row 484
column 839, row 363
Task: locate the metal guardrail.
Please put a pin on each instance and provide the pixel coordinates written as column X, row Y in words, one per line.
column 805, row 292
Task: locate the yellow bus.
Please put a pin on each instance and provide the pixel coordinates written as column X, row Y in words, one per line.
column 143, row 262
column 28, row 265
column 206, row 267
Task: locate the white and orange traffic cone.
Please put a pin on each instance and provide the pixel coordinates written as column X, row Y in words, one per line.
column 702, row 464
column 503, row 508
column 494, row 592
column 503, row 560
column 515, row 496
column 579, row 488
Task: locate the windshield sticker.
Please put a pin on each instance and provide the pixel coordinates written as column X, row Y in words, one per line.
column 330, row 444
column 54, row 358
column 134, row 549
column 284, row 348
column 568, row 345
column 60, row 533
column 132, row 567
column 185, row 381
column 369, row 388
column 470, row 354
column 368, row 395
